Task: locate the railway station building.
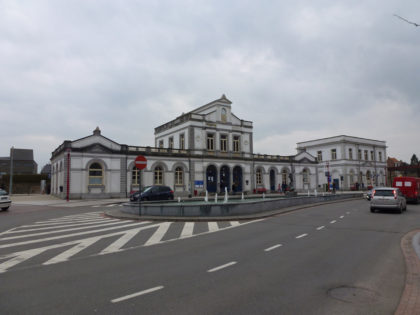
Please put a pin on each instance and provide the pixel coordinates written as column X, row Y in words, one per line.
column 209, row 148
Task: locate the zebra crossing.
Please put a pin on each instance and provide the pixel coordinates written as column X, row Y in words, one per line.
column 69, row 237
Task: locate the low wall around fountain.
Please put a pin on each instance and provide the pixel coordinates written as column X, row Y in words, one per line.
column 231, row 208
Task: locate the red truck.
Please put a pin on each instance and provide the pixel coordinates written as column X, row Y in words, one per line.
column 409, row 186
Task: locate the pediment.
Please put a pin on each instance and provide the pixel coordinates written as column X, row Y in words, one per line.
column 304, row 157
column 96, row 148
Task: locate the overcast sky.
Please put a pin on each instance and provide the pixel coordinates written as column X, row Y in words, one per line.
column 300, row 70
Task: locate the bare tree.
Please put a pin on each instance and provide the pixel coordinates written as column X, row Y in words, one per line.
column 415, row 24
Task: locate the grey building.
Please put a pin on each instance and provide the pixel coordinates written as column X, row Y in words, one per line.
column 23, row 162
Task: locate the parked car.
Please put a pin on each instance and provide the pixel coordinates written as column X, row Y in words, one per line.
column 387, row 198
column 5, row 201
column 155, row 192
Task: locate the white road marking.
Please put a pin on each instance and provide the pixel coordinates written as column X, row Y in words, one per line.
column 64, row 256
column 97, row 206
column 21, row 256
column 333, row 221
column 234, row 223
column 188, row 229
column 130, row 296
column 111, row 205
column 58, row 231
column 272, row 247
column 320, row 227
column 302, row 235
column 341, row 216
column 222, row 266
column 213, row 226
column 8, row 261
column 94, row 223
column 158, row 235
column 119, row 243
column 71, row 235
column 64, row 222
column 91, row 215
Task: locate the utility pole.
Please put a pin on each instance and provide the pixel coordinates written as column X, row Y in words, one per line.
column 11, row 171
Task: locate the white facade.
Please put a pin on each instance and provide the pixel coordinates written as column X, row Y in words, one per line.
column 209, row 149
column 351, row 161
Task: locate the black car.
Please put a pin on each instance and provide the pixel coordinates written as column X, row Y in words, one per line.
column 154, row 193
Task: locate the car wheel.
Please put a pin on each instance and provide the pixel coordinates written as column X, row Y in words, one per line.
column 400, row 209
column 372, row 209
column 5, row 208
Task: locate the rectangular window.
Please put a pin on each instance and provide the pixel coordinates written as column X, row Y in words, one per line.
column 171, row 143
column 359, row 155
column 372, row 157
column 366, row 155
column 350, row 154
column 179, row 176
column 223, row 143
column 160, row 143
column 210, row 142
column 182, row 141
column 333, row 154
column 380, row 156
column 236, row 145
column 319, row 156
column 135, row 176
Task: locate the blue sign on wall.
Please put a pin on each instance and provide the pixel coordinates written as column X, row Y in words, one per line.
column 199, row 183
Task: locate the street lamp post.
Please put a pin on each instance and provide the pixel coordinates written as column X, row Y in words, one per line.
column 11, row 171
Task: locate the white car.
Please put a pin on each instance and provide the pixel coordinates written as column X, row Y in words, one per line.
column 5, row 201
column 387, row 198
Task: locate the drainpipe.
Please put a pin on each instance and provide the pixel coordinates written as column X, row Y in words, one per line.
column 68, row 175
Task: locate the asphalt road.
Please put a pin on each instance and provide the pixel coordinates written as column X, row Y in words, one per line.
column 331, row 259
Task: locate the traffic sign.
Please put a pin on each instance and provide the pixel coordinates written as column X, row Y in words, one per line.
column 140, row 162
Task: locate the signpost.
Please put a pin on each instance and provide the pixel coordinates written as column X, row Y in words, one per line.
column 140, row 163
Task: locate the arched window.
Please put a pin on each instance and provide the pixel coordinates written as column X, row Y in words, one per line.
column 259, row 176
column 351, row 177
column 368, row 178
column 96, row 174
column 158, row 175
column 179, row 176
column 284, row 176
column 224, row 116
column 305, row 176
column 135, row 176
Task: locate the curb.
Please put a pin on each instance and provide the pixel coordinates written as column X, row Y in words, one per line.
column 118, row 214
column 410, row 299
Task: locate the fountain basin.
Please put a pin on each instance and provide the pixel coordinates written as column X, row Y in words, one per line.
column 234, row 207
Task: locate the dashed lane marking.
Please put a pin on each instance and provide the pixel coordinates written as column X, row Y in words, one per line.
column 302, row 235
column 130, row 296
column 272, row 247
column 222, row 266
